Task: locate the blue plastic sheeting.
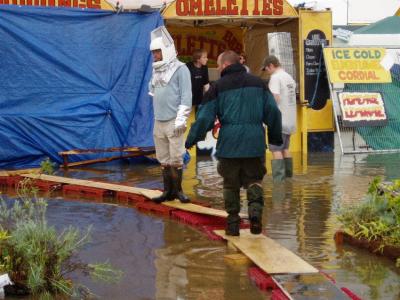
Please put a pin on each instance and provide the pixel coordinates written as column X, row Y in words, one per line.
column 72, row 79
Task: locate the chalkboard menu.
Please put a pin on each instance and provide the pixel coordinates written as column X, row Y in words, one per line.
column 315, row 94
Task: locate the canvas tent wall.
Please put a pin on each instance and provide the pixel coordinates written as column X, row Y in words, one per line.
column 72, row 78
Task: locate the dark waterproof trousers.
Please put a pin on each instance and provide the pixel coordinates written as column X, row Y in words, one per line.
column 237, row 173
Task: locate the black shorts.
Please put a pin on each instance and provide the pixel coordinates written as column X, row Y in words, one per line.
column 241, row 172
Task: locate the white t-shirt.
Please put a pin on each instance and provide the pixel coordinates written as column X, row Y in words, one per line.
column 282, row 84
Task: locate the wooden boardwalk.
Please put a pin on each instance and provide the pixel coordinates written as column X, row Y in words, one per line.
column 128, row 189
column 199, row 209
column 95, row 184
column 268, row 254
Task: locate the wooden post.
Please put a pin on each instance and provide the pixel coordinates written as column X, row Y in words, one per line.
column 65, row 159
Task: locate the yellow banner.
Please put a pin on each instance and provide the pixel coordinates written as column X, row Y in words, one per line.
column 356, row 65
column 206, row 9
column 96, row 4
column 214, row 40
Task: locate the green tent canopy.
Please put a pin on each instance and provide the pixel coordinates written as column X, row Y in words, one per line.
column 389, row 25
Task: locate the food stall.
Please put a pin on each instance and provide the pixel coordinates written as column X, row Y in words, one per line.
column 259, row 28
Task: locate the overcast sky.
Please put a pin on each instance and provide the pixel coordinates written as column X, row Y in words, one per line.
column 359, row 11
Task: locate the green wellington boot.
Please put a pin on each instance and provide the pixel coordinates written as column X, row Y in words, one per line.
column 278, row 170
column 289, row 167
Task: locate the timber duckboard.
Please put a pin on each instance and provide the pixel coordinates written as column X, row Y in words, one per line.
column 268, row 254
column 101, row 185
column 129, row 189
column 198, row 209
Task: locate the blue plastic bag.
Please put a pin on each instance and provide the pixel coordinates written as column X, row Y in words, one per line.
column 186, row 157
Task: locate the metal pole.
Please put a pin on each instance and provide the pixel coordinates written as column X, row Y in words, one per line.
column 333, row 96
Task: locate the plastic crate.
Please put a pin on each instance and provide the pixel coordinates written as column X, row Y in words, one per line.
column 263, row 280
column 130, row 197
column 47, row 185
column 84, row 191
column 152, row 207
column 197, row 219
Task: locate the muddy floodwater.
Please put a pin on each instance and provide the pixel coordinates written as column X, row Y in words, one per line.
column 164, row 259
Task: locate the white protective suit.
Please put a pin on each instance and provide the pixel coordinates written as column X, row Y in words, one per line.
column 164, row 69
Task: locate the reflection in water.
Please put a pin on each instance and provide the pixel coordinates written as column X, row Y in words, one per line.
column 123, row 237
column 163, row 259
column 192, row 267
column 301, row 215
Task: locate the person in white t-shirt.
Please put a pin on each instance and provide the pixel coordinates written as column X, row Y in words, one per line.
column 283, row 88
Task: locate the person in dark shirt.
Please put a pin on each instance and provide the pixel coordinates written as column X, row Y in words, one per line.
column 199, row 74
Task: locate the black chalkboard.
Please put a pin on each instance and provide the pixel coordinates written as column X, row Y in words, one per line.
column 316, row 86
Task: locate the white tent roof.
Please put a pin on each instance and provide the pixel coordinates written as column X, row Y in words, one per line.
column 389, row 40
column 385, row 32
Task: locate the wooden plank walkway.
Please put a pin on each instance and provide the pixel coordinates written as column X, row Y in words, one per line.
column 101, row 185
column 199, row 209
column 128, row 189
column 268, row 254
column 6, row 173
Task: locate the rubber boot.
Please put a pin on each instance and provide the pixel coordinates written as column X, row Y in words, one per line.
column 289, row 167
column 232, row 225
column 177, row 185
column 167, row 193
column 256, row 203
column 278, row 170
column 232, row 207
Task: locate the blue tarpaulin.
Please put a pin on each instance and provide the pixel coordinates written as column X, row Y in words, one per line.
column 72, row 79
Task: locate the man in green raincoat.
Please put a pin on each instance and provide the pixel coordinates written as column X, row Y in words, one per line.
column 242, row 104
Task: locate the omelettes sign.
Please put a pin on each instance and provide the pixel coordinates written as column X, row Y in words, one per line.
column 192, row 8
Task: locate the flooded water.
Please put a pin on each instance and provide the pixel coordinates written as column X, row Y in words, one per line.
column 164, row 259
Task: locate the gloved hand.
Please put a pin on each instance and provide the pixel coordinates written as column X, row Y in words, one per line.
column 179, row 130
column 180, row 121
column 188, row 146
